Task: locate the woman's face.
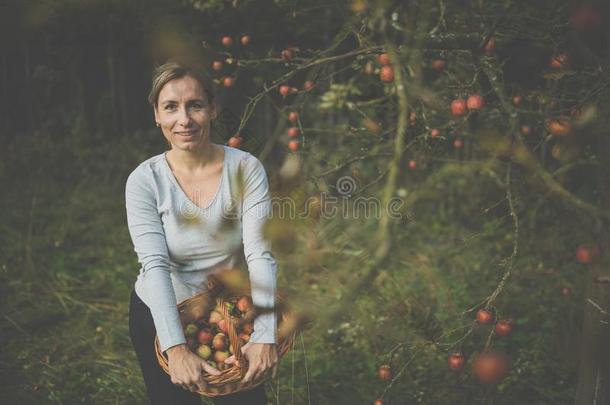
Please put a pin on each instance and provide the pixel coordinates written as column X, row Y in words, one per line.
column 184, row 114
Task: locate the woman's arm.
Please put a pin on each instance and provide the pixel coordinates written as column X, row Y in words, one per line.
column 148, row 236
column 261, row 350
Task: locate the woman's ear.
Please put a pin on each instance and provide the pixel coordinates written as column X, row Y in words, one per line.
column 156, row 115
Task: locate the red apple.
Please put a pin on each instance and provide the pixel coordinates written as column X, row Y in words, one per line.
column 458, row 144
column 293, row 132
column 438, row 65
column 293, row 145
column 378, row 401
column 293, row 116
column 517, row 100
column 227, row 41
column 204, row 336
column 491, row 367
column 459, row 107
column 248, row 328
column 504, row 327
column 244, row 304
column 559, row 61
column 384, row 372
column 526, row 130
column 217, row 65
column 456, row 361
column 308, row 85
column 287, row 54
column 559, row 127
column 435, row 133
column 228, row 81
column 585, row 254
column 412, row 164
column 384, row 59
column 220, row 341
column 484, row 316
column 245, row 40
column 235, row 141
column 284, row 90
column 386, row 74
column 475, row 102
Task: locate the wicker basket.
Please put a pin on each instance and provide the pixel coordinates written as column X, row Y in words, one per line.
column 230, row 379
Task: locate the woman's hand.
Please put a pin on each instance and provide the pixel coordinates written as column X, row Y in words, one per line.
column 261, row 357
column 186, row 368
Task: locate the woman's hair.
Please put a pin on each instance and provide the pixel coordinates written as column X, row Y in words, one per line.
column 176, row 70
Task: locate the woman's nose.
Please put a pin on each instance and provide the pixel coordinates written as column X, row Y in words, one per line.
column 184, row 118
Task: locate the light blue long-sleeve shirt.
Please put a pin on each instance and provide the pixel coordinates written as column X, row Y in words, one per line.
column 178, row 244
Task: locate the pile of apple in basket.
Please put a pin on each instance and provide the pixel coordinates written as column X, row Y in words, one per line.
column 209, row 337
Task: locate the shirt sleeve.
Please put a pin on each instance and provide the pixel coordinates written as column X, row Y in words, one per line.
column 149, row 243
column 262, row 266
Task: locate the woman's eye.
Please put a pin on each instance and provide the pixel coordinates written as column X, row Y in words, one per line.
column 169, row 107
column 198, row 106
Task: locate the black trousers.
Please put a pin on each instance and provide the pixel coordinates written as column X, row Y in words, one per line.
column 161, row 391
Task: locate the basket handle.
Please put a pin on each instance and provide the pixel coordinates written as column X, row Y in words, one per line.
column 232, row 332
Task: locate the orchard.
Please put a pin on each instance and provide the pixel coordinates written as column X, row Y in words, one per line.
column 441, row 171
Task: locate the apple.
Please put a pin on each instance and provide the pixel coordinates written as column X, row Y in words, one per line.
column 244, row 304
column 293, row 146
column 435, row 133
column 456, row 361
column 459, row 107
column 384, row 59
column 504, row 327
column 308, row 85
column 566, row 291
column 386, row 74
column 287, row 54
column 293, row 116
column 223, row 325
column 378, row 401
column 585, row 254
column 228, row 81
column 204, row 352
column 215, row 317
column 245, row 40
column 217, row 65
column 491, row 367
column 220, row 341
column 526, row 130
column 559, row 61
column 517, row 100
column 412, row 164
column 438, row 65
column 227, row 41
column 384, row 372
column 458, row 144
column 284, row 90
column 293, row 132
column 475, row 102
column 248, row 328
column 204, row 336
column 235, row 141
column 412, row 118
column 484, row 316
column 559, row 127
column 190, row 330
column 490, row 46
column 220, row 356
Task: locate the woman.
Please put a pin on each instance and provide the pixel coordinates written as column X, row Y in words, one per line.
column 178, row 206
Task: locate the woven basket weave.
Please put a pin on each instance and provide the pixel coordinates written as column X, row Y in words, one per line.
column 230, row 379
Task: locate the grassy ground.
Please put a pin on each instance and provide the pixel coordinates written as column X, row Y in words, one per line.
column 67, row 268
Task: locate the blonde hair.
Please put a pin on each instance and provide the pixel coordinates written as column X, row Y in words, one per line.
column 176, row 70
